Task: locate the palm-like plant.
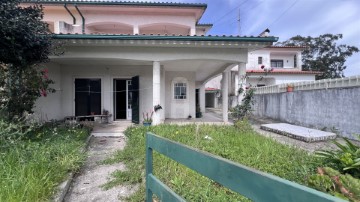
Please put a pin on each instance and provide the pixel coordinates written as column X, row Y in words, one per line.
column 346, row 158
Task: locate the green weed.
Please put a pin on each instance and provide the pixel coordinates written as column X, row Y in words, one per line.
column 241, row 145
column 33, row 166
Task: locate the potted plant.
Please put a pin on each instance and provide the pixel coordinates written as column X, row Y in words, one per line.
column 290, row 88
column 147, row 118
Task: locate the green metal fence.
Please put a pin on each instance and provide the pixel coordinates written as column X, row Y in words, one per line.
column 253, row 184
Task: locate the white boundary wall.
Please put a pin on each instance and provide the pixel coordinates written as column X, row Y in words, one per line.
column 312, row 85
column 331, row 104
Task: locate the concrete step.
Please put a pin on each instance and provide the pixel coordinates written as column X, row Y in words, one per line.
column 298, row 132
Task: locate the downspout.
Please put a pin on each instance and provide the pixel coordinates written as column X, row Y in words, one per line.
column 74, row 19
column 83, row 19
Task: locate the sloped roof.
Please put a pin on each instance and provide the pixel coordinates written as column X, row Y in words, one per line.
column 114, row 2
column 282, row 71
column 276, row 46
column 167, row 37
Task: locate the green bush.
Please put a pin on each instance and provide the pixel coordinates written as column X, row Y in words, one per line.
column 346, row 158
column 241, row 111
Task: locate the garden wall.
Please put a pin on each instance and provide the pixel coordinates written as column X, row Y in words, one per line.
column 332, row 109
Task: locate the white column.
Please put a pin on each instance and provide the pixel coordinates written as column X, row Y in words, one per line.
column 136, row 29
column 299, row 61
column 242, row 80
column 156, row 91
column 56, row 27
column 162, row 99
column 192, row 31
column 225, row 95
column 202, row 98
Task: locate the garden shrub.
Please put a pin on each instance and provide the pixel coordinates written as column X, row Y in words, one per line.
column 241, row 111
column 341, row 185
column 346, row 159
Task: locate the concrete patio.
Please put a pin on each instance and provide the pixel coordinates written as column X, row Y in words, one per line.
column 114, row 129
column 207, row 118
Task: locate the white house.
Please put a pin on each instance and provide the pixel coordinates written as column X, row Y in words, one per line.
column 275, row 65
column 127, row 57
column 267, row 66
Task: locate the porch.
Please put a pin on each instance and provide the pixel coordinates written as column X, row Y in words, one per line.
column 127, row 77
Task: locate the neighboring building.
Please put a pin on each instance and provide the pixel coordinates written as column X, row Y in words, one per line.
column 276, row 65
column 127, row 57
column 268, row 66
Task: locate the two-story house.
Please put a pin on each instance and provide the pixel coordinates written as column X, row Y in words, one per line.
column 127, row 57
column 275, row 65
column 266, row 66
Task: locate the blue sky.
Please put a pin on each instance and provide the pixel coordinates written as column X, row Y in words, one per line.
column 287, row 18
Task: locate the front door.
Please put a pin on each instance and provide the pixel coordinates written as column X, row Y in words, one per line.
column 122, row 99
column 87, row 97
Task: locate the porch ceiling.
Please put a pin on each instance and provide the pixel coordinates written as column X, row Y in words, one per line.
column 99, row 61
column 203, row 68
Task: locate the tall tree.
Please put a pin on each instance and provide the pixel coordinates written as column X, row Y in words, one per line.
column 25, row 43
column 323, row 54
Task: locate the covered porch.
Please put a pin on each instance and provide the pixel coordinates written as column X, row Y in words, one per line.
column 126, row 78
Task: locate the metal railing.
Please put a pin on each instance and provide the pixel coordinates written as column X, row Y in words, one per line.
column 312, row 85
column 253, row 184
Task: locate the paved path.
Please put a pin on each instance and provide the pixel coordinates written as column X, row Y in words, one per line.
column 87, row 184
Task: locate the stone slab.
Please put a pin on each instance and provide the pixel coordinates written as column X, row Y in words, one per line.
column 298, row 132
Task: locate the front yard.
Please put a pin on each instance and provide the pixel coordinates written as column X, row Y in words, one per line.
column 35, row 161
column 240, row 144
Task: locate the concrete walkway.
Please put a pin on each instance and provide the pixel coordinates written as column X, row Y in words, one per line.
column 87, row 185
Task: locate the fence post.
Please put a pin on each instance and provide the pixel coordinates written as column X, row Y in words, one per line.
column 149, row 169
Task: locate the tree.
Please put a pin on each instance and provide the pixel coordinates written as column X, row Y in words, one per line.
column 25, row 43
column 323, row 54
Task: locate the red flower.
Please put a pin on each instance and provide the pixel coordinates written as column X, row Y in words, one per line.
column 45, row 73
column 43, row 92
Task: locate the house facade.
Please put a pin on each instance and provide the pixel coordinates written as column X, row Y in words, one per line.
column 276, row 65
column 270, row 65
column 124, row 58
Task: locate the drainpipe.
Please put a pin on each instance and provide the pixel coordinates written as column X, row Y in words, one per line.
column 83, row 19
column 74, row 19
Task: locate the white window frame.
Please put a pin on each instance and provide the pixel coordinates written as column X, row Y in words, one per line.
column 183, row 81
column 182, row 87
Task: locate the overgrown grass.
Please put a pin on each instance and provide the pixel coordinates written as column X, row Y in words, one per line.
column 240, row 144
column 32, row 166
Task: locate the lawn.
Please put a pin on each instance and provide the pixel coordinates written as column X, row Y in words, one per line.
column 33, row 165
column 240, row 144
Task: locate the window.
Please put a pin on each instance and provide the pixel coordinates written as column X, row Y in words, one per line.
column 295, row 61
column 260, row 60
column 180, row 91
column 277, row 63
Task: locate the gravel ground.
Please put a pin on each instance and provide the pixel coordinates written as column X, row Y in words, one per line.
column 87, row 185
